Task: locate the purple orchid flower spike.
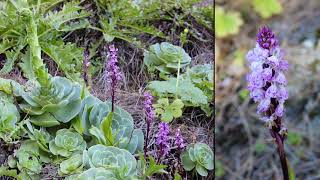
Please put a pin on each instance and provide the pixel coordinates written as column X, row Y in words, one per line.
column 149, row 113
column 179, row 142
column 163, row 140
column 267, row 86
column 113, row 74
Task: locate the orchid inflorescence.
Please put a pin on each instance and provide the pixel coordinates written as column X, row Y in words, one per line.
column 267, row 82
column 267, row 86
column 112, row 74
column 163, row 139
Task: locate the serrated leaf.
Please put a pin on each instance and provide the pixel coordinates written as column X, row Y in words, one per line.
column 26, row 65
column 68, row 57
column 267, row 8
column 227, row 23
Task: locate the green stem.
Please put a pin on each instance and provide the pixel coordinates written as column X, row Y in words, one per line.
column 32, row 35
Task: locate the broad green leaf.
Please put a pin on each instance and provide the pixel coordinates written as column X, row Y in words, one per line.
column 267, row 8
column 227, row 23
column 168, row 111
column 186, row 91
column 107, row 129
column 188, row 164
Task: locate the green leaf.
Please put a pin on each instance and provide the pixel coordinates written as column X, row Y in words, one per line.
column 71, row 165
column 26, row 65
column 186, row 91
column 201, row 170
column 227, row 23
column 67, row 56
column 187, row 163
column 106, row 128
column 154, row 168
column 4, row 171
column 168, row 111
column 267, row 8
column 177, row 176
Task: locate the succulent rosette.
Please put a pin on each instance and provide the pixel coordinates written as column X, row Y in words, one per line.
column 66, row 143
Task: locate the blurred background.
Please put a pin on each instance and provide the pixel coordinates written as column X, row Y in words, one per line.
column 244, row 148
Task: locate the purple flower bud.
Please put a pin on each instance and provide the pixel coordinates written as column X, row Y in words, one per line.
column 163, row 139
column 266, row 39
column 179, row 140
column 148, row 109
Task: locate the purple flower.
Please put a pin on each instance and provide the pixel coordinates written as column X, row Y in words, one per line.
column 272, row 91
column 163, row 139
column 266, row 81
column 257, row 95
column 279, row 110
column 267, row 74
column 264, row 105
column 282, row 94
column 266, row 38
column 149, row 113
column 148, row 109
column 113, row 72
column 179, row 140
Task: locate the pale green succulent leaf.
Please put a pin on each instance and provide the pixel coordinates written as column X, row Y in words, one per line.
column 201, row 170
column 187, row 163
column 165, row 57
column 71, row 165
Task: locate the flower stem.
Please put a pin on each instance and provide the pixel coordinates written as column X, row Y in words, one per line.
column 282, row 155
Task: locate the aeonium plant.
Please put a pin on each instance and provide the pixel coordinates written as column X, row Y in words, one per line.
column 267, row 86
column 198, row 156
column 66, row 143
